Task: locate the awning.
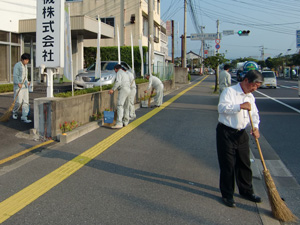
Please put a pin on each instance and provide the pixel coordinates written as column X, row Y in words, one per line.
column 80, row 25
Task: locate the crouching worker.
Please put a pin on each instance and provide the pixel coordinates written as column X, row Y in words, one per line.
column 156, row 84
column 122, row 84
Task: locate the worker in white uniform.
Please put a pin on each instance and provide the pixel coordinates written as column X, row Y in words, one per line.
column 225, row 78
column 156, row 84
column 20, row 79
column 132, row 96
column 122, row 84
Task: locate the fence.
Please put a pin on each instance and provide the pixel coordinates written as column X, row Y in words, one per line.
column 161, row 71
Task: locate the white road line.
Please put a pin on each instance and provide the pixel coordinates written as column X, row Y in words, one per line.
column 289, row 86
column 290, row 107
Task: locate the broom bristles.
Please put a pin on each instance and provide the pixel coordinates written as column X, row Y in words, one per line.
column 279, row 208
column 7, row 114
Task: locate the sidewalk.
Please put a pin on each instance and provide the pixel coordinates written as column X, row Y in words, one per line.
column 12, row 143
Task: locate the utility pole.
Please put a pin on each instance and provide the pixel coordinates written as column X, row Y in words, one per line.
column 150, row 34
column 217, row 72
column 184, row 36
column 122, row 23
column 262, row 53
column 173, row 41
column 202, row 49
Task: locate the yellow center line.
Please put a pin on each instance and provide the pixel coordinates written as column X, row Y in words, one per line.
column 24, row 152
column 18, row 201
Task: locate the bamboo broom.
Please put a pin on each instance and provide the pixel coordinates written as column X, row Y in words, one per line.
column 278, row 206
column 7, row 114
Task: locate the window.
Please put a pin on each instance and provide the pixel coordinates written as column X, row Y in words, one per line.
column 145, row 27
column 4, row 50
column 109, row 20
column 15, row 38
column 4, row 36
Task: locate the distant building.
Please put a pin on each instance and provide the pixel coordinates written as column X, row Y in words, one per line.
column 135, row 22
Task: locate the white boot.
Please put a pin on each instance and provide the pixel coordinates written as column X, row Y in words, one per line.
column 25, row 120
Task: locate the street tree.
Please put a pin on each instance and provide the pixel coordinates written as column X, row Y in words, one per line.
column 213, row 62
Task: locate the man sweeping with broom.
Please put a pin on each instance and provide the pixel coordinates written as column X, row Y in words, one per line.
column 21, row 84
column 232, row 139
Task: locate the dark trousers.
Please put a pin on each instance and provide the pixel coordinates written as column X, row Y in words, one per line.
column 234, row 161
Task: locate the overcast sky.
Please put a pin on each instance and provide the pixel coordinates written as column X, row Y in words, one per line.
column 272, row 25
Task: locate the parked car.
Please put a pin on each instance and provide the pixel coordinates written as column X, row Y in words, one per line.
column 211, row 72
column 269, row 79
column 87, row 79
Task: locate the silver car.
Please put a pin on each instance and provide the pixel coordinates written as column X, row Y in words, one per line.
column 87, row 78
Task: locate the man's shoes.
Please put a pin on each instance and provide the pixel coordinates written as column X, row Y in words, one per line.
column 117, row 126
column 251, row 197
column 15, row 116
column 26, row 120
column 229, row 202
column 125, row 124
column 155, row 106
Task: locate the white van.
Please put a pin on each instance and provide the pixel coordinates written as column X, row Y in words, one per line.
column 269, row 79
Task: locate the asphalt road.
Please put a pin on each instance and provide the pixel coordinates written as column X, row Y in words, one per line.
column 164, row 171
column 161, row 169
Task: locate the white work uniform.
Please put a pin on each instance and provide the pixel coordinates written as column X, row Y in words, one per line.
column 224, row 81
column 132, row 95
column 156, row 83
column 123, row 85
column 19, row 74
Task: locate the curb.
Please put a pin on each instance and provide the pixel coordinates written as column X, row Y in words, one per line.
column 86, row 128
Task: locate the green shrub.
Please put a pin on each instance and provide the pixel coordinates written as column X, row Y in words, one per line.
column 111, row 54
column 141, row 80
column 83, row 91
column 6, row 88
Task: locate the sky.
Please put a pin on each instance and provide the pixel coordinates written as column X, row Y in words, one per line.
column 272, row 24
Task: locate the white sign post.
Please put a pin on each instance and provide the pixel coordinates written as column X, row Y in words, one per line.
column 50, row 38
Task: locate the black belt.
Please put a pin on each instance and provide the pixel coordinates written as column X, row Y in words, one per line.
column 230, row 128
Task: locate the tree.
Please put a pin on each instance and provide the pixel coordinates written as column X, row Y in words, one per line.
column 213, row 62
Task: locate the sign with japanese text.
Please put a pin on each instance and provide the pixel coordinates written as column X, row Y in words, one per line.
column 49, row 33
column 298, row 39
column 206, row 36
column 169, row 28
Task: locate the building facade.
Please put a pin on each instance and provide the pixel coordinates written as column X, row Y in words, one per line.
column 132, row 20
column 18, row 30
column 11, row 42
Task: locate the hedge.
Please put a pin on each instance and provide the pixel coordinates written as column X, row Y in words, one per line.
column 6, row 88
column 111, row 54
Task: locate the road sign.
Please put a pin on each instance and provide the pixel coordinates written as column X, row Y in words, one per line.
column 217, row 41
column 207, row 36
column 217, row 46
column 228, row 32
column 298, row 38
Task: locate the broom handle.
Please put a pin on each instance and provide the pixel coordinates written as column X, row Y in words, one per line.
column 258, row 145
column 19, row 91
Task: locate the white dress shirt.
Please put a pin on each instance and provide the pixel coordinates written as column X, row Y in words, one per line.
column 230, row 113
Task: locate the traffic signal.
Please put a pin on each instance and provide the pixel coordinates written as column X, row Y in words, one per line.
column 243, row 32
